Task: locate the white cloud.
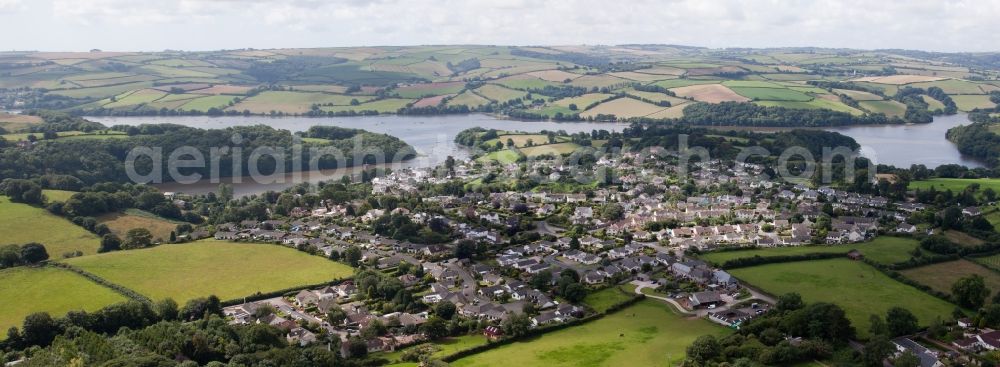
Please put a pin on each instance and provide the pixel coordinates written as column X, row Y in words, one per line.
column 920, row 24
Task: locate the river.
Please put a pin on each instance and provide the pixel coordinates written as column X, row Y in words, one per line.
column 433, row 139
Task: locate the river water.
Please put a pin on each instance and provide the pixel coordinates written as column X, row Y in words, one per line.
column 433, row 139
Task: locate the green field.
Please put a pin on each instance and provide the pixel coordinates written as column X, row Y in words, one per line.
column 23, row 223
column 447, row 346
column 771, row 94
column 499, row 93
column 971, row 102
column 555, row 149
column 25, row 290
column 226, row 269
column 388, row 105
column 942, row 276
column 857, row 287
column 955, row 184
column 57, row 195
column 952, row 86
column 992, row 261
column 504, row 156
column 645, row 334
column 205, row 103
column 889, row 108
column 817, row 103
column 603, row 299
column 883, row 249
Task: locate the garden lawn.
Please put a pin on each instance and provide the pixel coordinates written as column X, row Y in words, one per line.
column 23, row 223
column 228, row 270
column 25, row 290
column 858, row 288
column 645, row 334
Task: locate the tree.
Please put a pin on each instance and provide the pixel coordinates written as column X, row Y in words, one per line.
column 10, row 255
column 198, row 308
column 22, row 191
column 878, row 326
column 876, row 350
column 704, row 349
column 39, row 329
column 137, row 238
column 374, row 329
column 445, row 310
column 542, row 281
column 34, row 253
column 901, row 321
column 574, row 292
column 465, row 249
column 336, row 315
column 517, row 325
column 790, row 302
column 435, row 328
column 110, row 242
column 970, row 291
column 907, row 359
column 357, row 347
column 167, row 309
column 353, row 255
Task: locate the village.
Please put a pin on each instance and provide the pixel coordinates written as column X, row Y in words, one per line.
column 649, row 239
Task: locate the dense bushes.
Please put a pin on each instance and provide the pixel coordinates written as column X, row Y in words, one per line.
column 18, row 255
column 760, row 260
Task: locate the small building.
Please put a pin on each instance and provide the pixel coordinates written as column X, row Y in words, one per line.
column 492, row 333
column 855, row 255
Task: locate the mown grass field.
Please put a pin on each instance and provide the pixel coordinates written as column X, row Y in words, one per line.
column 858, row 288
column 883, row 249
column 555, row 149
column 645, row 334
column 942, row 276
column 25, row 290
column 226, row 269
column 889, row 108
column 23, row 223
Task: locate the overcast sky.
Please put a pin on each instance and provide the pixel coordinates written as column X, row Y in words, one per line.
column 153, row 25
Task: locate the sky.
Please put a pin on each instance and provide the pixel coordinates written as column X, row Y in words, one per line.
column 154, row 25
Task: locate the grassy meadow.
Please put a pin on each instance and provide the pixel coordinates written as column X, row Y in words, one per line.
column 857, row 287
column 23, row 223
column 26, row 290
column 228, row 270
column 883, row 249
column 645, row 334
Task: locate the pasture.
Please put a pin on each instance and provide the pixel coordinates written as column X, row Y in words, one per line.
column 817, row 103
column 388, row 105
column 498, row 93
column 970, row 102
column 603, row 299
column 771, row 94
column 942, row 276
column 228, row 270
column 429, row 89
column 121, row 223
column 645, row 334
column 883, row 249
column 503, row 156
column 12, row 123
column 710, row 93
column 553, row 149
column 623, row 108
column 26, row 290
column 23, row 223
column 293, row 102
column 858, row 95
column 57, row 195
column 857, row 287
column 955, row 184
column 889, row 108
